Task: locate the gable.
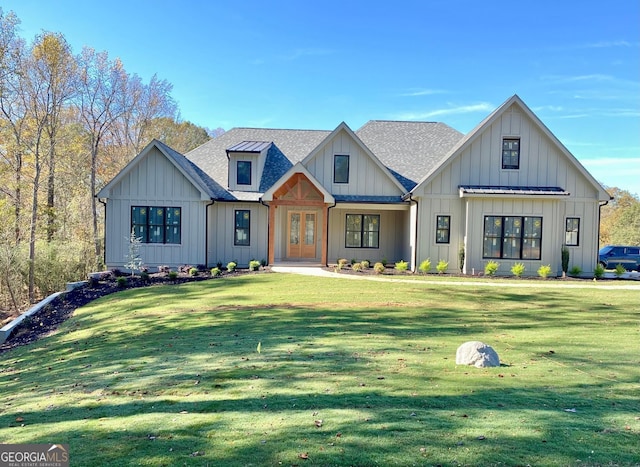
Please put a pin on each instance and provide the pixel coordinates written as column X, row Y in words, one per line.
column 543, row 160
column 366, row 176
column 152, row 177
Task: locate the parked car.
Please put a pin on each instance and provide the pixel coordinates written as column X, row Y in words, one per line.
column 612, row 255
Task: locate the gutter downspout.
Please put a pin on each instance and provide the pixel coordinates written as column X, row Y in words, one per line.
column 206, row 232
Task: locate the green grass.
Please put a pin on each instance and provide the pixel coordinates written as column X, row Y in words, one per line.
column 171, row 376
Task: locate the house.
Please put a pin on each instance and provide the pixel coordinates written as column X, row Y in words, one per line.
column 507, row 191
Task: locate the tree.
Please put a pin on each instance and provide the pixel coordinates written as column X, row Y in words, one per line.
column 620, row 219
column 102, row 83
column 181, row 136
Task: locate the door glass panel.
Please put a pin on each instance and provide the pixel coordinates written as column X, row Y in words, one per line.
column 310, row 228
column 294, row 234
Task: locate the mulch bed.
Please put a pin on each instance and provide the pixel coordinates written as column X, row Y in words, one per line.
column 62, row 307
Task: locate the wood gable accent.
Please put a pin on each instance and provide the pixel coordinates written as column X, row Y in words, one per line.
column 298, row 190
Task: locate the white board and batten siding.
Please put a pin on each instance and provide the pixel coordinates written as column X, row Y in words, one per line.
column 222, row 231
column 365, row 175
column 479, row 162
column 155, row 182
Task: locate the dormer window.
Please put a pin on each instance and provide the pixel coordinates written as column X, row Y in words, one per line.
column 511, row 153
column 340, row 168
column 243, row 173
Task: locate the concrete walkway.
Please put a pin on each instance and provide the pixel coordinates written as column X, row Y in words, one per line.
column 321, row 272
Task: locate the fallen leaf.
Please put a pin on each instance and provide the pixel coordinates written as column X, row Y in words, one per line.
column 570, row 410
column 303, row 455
column 183, row 412
column 19, row 419
column 481, row 438
column 338, row 435
column 318, row 423
column 197, row 454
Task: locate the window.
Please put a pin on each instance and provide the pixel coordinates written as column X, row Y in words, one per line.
column 572, row 232
column 443, row 229
column 340, row 169
column 511, row 153
column 363, row 231
column 512, row 237
column 156, row 224
column 242, row 229
column 243, row 173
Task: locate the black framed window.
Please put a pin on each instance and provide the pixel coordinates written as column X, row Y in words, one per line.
column 512, row 237
column 363, row 231
column 340, row 168
column 243, row 173
column 572, row 231
column 241, row 236
column 511, row 153
column 443, row 229
column 154, row 224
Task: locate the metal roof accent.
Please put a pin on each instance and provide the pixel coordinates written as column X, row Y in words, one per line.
column 249, row 146
column 512, row 190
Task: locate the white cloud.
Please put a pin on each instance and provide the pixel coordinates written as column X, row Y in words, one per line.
column 607, row 44
column 423, row 92
column 462, row 109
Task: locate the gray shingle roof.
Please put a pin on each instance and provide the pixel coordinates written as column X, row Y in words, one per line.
column 409, row 149
column 291, row 146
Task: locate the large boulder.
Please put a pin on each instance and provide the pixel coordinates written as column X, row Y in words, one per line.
column 478, row 354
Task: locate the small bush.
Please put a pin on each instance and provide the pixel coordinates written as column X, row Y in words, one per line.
column 620, row 270
column 254, row 265
column 598, row 271
column 144, row 275
column 425, row 266
column 365, row 264
column 173, row 275
column 402, row 266
column 115, row 272
column 491, row 268
column 356, row 267
column 193, row 272
column 263, row 262
column 219, row 265
column 164, row 269
column 231, row 266
column 518, row 269
column 575, row 271
column 461, row 256
column 342, row 262
column 544, row 271
column 215, row 272
column 565, row 259
column 122, row 281
column 353, row 261
column 442, row 266
column 378, row 268
column 384, row 262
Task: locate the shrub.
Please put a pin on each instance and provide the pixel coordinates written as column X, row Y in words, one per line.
column 575, row 271
column 353, row 261
column 365, row 264
column 620, row 270
column 461, row 255
column 544, row 271
column 598, row 271
column 215, row 272
column 219, row 265
column 356, row 267
column 442, row 266
column 231, row 266
column 425, row 266
column 173, row 275
column 144, row 275
column 263, row 262
column 384, row 262
column 402, row 266
column 518, row 269
column 254, row 265
column 122, row 282
column 193, row 272
column 491, row 268
column 342, row 262
column 164, row 269
column 378, row 268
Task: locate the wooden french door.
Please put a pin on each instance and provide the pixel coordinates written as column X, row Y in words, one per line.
column 301, row 233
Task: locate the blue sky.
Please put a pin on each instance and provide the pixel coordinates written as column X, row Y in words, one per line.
column 299, row 64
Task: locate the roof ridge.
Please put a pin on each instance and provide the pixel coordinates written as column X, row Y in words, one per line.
column 275, row 129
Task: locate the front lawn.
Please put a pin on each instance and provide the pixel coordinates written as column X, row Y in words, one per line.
column 279, row 369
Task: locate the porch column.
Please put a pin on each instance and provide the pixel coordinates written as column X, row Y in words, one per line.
column 272, row 229
column 325, row 229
